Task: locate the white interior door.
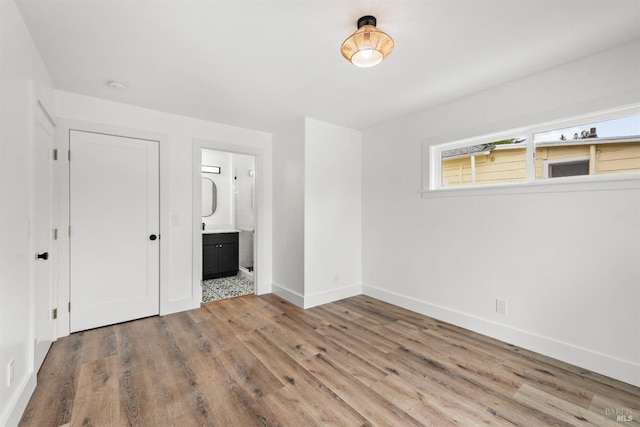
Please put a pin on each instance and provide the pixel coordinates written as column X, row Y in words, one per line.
column 114, row 218
column 44, row 296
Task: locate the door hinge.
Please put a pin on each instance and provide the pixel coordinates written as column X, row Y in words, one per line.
column 69, row 231
column 55, row 314
column 69, row 307
column 55, row 154
column 55, row 234
column 69, row 155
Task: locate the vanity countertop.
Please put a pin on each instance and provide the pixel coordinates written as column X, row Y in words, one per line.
column 220, row 231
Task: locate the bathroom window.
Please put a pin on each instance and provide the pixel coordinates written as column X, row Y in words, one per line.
column 580, row 149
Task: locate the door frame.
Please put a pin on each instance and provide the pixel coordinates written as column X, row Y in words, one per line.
column 62, row 137
column 262, row 259
column 39, row 102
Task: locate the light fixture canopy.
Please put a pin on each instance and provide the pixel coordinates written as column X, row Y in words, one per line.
column 368, row 46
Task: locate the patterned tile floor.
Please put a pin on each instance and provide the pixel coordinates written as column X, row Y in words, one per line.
column 226, row 287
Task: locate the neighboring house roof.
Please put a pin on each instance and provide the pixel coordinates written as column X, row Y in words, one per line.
column 468, row 151
column 589, row 141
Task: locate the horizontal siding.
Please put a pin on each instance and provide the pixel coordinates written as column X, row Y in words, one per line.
column 618, row 151
column 548, row 153
column 499, row 166
column 618, row 158
column 618, row 165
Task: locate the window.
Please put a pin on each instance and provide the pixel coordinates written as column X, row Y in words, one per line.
column 566, row 167
column 597, row 144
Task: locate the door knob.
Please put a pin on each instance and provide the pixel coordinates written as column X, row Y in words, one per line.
column 44, row 255
column 153, row 237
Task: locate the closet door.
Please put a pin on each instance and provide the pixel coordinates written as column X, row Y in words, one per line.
column 45, row 291
column 114, row 217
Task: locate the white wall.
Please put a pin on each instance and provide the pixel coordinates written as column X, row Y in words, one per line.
column 243, row 192
column 222, row 218
column 568, row 264
column 288, row 211
column 317, row 212
column 19, row 65
column 180, row 138
column 332, row 207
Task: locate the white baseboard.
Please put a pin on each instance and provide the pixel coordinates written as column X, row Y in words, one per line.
column 18, row 404
column 243, row 272
column 316, row 299
column 332, row 295
column 622, row 370
column 291, row 296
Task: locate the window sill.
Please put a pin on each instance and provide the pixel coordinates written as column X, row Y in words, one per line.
column 624, row 181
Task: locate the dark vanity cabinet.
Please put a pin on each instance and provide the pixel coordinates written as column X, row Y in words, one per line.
column 219, row 255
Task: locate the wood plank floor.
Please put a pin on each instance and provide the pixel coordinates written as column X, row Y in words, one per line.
column 357, row 362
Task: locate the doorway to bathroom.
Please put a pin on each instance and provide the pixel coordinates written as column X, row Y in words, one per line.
column 228, row 224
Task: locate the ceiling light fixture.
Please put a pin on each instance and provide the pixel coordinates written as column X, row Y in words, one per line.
column 116, row 85
column 368, row 46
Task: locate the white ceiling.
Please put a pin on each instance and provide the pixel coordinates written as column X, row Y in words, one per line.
column 256, row 63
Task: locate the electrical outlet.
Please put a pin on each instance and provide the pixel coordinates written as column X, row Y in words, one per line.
column 501, row 306
column 10, row 373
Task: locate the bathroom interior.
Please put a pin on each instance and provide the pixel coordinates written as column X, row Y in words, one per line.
column 228, row 181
